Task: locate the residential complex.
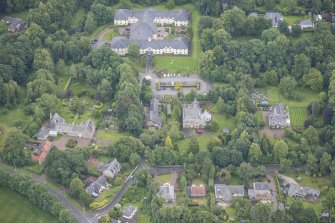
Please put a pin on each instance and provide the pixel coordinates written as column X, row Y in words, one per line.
column 194, row 117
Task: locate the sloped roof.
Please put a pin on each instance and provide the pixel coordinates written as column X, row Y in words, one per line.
column 166, row 191
column 150, row 14
column 261, row 186
column 142, row 30
column 129, row 212
column 275, row 17
column 297, row 190
column 178, row 43
column 197, row 191
column 306, row 23
column 226, row 192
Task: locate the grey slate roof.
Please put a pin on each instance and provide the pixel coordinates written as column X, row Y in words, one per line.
column 15, row 24
column 95, row 187
column 278, row 116
column 142, row 30
column 154, row 112
column 166, row 191
column 129, row 212
column 261, row 186
column 275, row 17
column 299, row 191
column 306, row 23
column 150, row 14
column 84, row 129
column 43, row 133
column 226, row 192
column 122, row 43
column 110, row 169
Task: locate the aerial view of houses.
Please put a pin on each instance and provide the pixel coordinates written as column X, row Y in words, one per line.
column 144, row 31
column 167, row 111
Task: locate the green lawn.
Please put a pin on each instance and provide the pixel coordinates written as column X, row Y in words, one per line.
column 292, row 20
column 200, row 201
column 298, row 115
column 297, row 109
column 203, row 141
column 108, row 194
column 77, row 18
column 143, row 218
column 223, row 121
column 182, row 64
column 110, row 135
column 11, row 118
column 164, row 178
column 198, row 181
column 110, row 35
column 18, row 209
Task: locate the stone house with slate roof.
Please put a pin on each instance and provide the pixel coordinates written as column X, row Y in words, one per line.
column 129, row 215
column 260, row 192
column 306, row 24
column 298, row 191
column 98, row 186
column 224, row 193
column 143, row 31
column 110, row 169
column 14, row 24
column 194, row 117
column 275, row 17
column 166, row 191
column 279, row 118
column 83, row 130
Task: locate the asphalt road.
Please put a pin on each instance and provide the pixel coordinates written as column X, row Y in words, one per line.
column 90, row 216
column 77, row 214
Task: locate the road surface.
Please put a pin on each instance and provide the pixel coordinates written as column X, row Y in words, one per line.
column 59, row 195
column 90, row 216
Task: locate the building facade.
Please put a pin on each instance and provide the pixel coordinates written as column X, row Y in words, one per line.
column 143, row 31
column 194, row 117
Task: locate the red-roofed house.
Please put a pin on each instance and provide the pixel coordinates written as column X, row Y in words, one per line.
column 197, row 191
column 41, row 153
column 46, row 146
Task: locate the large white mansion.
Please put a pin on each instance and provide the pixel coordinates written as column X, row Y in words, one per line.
column 143, row 31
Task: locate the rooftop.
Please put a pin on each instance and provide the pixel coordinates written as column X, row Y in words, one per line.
column 226, row 192
column 197, row 191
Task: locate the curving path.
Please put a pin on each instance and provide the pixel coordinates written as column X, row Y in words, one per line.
column 90, row 216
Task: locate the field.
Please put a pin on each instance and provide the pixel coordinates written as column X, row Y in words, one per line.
column 292, row 20
column 110, row 135
column 297, row 109
column 164, row 178
column 24, row 211
column 223, row 121
column 183, row 64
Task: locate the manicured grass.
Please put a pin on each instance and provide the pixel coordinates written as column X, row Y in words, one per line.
column 182, row 64
column 108, row 194
column 198, row 181
column 224, row 122
column 11, row 118
column 18, row 209
column 164, row 178
column 98, row 30
column 297, row 109
column 110, row 35
column 76, row 19
column 292, row 20
column 80, row 88
column 110, row 135
column 200, row 201
column 36, row 168
column 143, row 218
column 298, row 116
column 233, row 180
column 321, row 183
column 203, row 141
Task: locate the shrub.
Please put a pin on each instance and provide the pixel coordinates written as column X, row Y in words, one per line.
column 71, row 143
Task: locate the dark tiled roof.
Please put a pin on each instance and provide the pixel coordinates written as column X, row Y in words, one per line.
column 150, row 14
